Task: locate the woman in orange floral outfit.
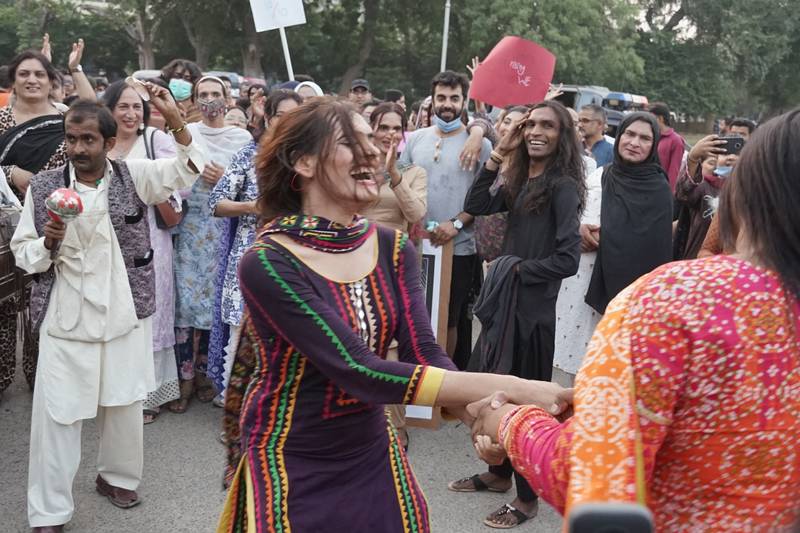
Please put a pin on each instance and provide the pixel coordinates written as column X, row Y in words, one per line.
column 689, row 396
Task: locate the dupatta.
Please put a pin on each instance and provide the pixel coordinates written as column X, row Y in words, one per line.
column 30, row 145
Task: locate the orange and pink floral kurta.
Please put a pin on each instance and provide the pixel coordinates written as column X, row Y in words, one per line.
column 688, row 401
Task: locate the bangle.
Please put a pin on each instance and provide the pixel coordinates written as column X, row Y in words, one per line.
column 176, row 130
column 496, row 158
column 76, row 69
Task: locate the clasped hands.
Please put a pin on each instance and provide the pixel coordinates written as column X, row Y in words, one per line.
column 487, row 414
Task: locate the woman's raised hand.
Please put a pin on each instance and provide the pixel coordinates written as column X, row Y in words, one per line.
column 75, row 55
column 512, row 139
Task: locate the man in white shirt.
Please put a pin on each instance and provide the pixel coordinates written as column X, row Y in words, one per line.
column 92, row 302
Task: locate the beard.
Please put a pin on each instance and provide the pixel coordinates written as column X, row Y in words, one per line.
column 456, row 113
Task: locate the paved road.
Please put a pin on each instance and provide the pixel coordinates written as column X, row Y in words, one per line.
column 182, row 477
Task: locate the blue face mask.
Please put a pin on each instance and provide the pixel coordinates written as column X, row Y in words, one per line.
column 723, row 172
column 180, row 89
column 447, row 127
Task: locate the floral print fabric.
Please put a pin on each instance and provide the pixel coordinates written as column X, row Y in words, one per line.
column 239, row 185
column 714, row 355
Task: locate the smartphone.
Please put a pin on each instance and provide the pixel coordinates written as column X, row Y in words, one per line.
column 610, row 518
column 733, row 144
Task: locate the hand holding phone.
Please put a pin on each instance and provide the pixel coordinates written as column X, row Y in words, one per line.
column 733, row 144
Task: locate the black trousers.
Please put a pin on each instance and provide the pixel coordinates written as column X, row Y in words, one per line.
column 465, row 284
column 524, row 491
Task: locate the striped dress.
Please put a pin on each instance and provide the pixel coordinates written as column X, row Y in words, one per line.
column 318, row 453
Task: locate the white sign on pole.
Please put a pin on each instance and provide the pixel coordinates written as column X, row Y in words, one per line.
column 274, row 14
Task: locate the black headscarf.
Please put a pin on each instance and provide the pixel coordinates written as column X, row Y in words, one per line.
column 635, row 220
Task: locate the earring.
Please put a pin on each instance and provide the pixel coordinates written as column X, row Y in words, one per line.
column 141, row 127
column 293, row 184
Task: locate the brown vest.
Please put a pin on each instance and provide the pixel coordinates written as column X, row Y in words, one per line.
column 128, row 217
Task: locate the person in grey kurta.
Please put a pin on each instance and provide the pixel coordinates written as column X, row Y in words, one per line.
column 544, row 195
column 437, row 149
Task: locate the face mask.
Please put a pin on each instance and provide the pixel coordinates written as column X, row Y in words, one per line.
column 723, row 172
column 447, row 127
column 211, row 109
column 180, row 89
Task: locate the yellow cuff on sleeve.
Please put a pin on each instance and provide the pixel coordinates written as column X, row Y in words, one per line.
column 429, row 385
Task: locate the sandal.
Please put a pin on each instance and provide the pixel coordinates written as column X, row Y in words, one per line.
column 180, row 405
column 473, row 484
column 149, row 415
column 204, row 389
column 520, row 517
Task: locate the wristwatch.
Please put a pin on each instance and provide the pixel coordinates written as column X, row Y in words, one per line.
column 77, row 69
column 457, row 223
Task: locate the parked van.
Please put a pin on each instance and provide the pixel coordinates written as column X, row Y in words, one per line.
column 577, row 96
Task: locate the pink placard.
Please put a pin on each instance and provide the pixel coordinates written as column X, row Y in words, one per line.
column 516, row 72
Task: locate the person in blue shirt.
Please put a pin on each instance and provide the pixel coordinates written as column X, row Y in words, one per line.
column 592, row 126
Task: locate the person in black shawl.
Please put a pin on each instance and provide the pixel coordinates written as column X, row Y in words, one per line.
column 544, row 194
column 635, row 213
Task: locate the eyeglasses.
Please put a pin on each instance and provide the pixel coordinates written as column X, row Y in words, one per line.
column 437, row 150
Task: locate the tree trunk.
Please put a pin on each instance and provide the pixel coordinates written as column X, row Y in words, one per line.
column 147, row 58
column 144, row 42
column 202, row 52
column 143, row 32
column 365, row 46
column 251, row 50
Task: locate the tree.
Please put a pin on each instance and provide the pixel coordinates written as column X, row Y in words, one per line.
column 734, row 56
column 141, row 27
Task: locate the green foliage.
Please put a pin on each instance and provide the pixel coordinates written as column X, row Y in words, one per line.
column 732, row 57
column 23, row 23
column 701, row 56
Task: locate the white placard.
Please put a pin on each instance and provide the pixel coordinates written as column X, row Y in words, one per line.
column 431, row 283
column 274, row 14
column 419, row 411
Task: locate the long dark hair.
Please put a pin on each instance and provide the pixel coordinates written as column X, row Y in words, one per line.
column 763, row 195
column 114, row 92
column 309, row 129
column 567, row 164
column 388, row 107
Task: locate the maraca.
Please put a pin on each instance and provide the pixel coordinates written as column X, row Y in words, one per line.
column 64, row 205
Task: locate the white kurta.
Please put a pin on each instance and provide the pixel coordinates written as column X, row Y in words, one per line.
column 575, row 319
column 94, row 349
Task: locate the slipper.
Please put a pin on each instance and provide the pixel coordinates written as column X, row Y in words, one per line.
column 122, row 498
column 180, row 405
column 473, row 484
column 219, row 400
column 521, row 517
column 204, row 390
column 149, row 415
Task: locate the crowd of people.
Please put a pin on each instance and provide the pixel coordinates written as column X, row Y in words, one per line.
column 261, row 253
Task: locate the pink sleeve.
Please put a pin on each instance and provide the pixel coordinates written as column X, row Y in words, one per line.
column 163, row 145
column 538, row 446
